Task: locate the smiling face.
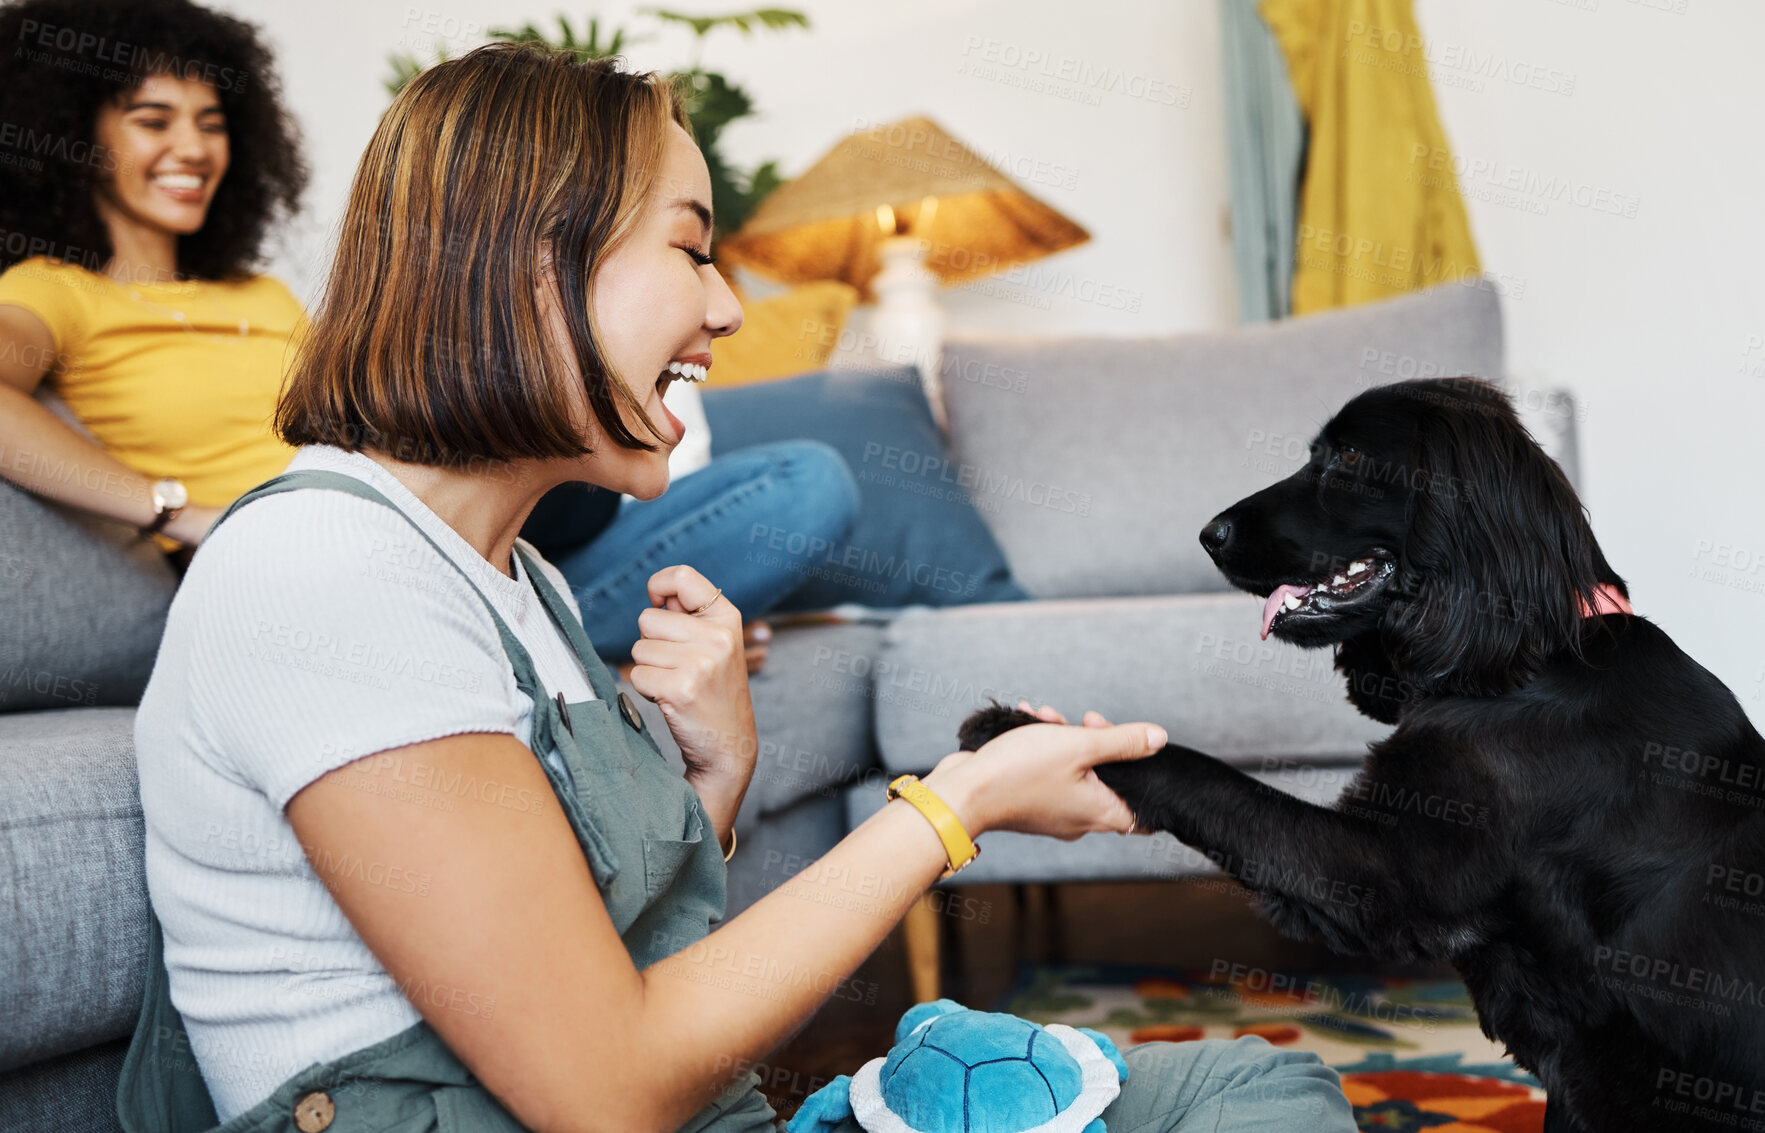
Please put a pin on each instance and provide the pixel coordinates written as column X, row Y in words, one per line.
column 166, row 149
column 658, row 302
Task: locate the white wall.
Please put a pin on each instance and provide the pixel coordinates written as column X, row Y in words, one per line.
column 1656, row 321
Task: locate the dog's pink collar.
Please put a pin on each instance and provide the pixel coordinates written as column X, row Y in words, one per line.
column 1606, row 600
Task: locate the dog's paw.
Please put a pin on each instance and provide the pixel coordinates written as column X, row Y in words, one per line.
column 987, row 723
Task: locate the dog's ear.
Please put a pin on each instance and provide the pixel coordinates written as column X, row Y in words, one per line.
column 1498, row 553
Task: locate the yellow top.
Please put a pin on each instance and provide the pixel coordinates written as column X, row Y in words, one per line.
column 1380, row 211
column 959, row 849
column 173, row 379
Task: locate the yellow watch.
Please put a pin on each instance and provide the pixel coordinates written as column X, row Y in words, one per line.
column 959, row 848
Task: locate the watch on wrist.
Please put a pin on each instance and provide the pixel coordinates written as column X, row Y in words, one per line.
column 169, row 498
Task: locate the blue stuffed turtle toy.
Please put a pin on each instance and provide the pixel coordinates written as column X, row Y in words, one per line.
column 953, row 1070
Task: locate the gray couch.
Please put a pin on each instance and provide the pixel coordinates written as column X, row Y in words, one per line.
column 1152, row 436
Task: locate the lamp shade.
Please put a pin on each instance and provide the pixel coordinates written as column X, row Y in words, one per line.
column 971, row 218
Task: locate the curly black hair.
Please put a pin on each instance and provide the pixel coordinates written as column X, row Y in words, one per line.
column 62, row 60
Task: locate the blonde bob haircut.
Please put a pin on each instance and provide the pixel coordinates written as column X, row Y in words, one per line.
column 428, row 342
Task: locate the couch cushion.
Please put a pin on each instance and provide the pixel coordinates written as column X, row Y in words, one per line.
column 1097, row 461
column 917, row 539
column 75, row 1092
column 1009, row 858
column 85, row 606
column 1191, row 662
column 812, row 714
column 73, row 891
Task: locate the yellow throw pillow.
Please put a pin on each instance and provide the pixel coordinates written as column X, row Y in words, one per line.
column 789, row 334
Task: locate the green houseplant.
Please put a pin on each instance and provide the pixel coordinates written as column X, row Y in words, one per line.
column 713, row 102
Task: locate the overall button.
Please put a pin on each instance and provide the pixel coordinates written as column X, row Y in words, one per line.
column 629, row 711
column 313, row 1112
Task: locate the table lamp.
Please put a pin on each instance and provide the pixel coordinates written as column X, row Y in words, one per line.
column 894, row 211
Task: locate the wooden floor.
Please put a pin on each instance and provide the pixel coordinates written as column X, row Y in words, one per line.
column 995, row 929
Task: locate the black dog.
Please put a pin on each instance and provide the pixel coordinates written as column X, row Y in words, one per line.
column 1570, row 810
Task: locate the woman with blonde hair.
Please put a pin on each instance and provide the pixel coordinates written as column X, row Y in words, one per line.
column 414, row 865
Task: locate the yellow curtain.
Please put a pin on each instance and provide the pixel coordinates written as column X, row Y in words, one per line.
column 1380, row 211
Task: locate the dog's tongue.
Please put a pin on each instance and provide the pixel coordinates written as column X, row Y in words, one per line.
column 1273, row 605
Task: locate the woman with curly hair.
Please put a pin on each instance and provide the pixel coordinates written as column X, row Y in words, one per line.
column 146, row 157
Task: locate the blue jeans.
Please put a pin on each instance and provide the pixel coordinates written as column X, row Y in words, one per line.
column 708, row 520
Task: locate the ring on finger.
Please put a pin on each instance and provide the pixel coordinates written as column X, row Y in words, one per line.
column 707, row 605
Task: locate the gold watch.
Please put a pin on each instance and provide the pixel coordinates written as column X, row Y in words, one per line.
column 169, row 498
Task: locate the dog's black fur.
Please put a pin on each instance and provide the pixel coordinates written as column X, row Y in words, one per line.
column 1535, row 818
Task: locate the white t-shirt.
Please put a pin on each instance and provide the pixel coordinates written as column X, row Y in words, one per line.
column 314, row 628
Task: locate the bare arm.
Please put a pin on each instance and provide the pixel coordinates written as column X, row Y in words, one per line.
column 45, row 455
column 508, row 914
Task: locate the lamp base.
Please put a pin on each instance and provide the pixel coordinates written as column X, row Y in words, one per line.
column 908, row 325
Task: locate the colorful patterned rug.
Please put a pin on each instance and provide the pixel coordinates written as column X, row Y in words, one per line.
column 1409, row 1051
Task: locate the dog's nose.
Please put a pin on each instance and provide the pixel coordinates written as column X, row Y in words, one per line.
column 1216, row 535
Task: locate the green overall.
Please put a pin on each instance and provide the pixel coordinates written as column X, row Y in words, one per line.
column 646, row 837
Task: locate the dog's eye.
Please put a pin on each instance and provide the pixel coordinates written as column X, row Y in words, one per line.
column 1348, row 455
